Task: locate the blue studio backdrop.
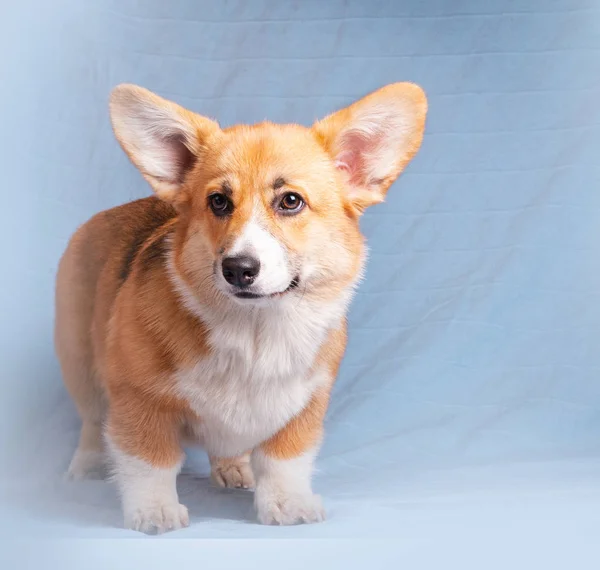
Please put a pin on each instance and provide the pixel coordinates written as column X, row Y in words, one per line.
column 468, row 404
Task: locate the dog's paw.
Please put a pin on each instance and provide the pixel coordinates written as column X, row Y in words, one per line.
column 287, row 509
column 232, row 473
column 87, row 465
column 158, row 518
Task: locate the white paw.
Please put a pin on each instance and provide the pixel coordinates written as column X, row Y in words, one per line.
column 234, row 475
column 158, row 518
column 87, row 465
column 285, row 509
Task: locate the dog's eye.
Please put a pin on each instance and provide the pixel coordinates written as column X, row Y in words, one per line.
column 291, row 203
column 220, row 204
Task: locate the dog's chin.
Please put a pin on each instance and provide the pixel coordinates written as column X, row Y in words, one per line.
column 250, row 297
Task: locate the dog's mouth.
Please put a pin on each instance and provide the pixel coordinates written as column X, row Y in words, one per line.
column 249, row 295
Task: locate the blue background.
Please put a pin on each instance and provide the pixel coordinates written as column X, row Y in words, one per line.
column 467, row 412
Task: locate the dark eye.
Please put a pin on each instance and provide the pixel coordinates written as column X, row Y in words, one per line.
column 291, row 203
column 220, row 204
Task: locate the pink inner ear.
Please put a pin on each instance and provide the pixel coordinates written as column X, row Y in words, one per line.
column 180, row 158
column 356, row 150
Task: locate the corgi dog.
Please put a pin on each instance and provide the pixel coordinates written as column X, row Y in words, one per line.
column 214, row 312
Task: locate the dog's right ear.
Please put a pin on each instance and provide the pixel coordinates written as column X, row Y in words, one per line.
column 161, row 138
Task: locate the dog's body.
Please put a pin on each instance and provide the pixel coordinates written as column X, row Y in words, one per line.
column 215, row 313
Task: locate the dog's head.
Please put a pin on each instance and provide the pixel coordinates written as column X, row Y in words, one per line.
column 270, row 211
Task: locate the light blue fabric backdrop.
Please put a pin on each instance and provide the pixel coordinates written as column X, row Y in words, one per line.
column 467, row 408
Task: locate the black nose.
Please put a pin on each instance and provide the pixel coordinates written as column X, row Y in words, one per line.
column 241, row 270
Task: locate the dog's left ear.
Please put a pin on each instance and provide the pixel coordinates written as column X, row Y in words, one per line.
column 372, row 140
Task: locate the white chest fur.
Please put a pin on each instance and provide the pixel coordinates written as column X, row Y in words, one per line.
column 260, row 372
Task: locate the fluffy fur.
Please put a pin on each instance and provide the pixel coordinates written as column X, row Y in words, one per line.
column 159, row 349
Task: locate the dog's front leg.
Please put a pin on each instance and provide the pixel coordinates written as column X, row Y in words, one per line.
column 283, row 468
column 146, row 455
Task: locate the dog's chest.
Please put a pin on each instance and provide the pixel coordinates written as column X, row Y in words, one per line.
column 258, row 375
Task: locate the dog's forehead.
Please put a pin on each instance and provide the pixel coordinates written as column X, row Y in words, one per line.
column 268, row 152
